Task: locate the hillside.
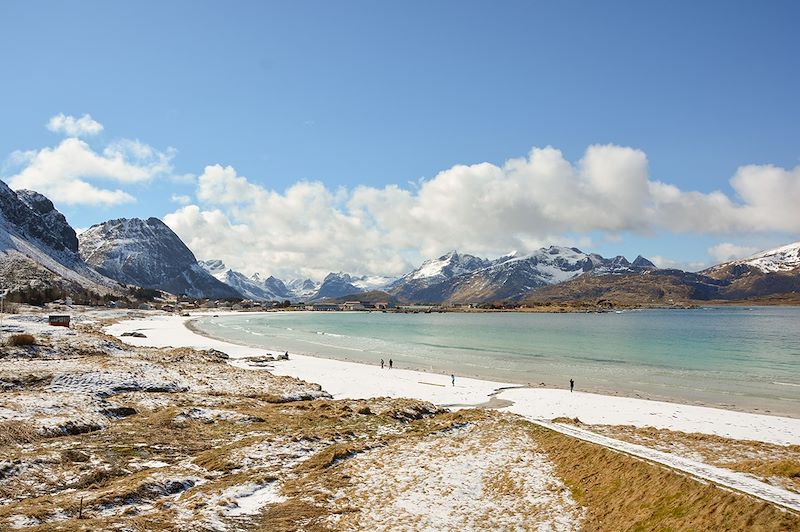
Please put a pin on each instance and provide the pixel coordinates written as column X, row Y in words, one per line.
column 39, row 258
column 149, row 254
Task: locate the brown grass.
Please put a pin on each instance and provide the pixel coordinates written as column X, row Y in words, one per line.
column 776, row 464
column 17, row 432
column 625, row 493
column 21, row 340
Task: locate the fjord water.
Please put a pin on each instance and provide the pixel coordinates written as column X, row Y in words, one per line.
column 742, row 358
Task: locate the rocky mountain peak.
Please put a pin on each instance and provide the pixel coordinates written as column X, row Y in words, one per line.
column 641, row 262
column 148, row 253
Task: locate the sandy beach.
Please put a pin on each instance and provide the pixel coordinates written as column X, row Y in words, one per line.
column 350, row 380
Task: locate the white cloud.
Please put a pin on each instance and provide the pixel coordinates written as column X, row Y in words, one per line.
column 65, row 172
column 664, row 262
column 74, row 127
column 218, row 185
column 181, row 199
column 726, row 251
column 482, row 208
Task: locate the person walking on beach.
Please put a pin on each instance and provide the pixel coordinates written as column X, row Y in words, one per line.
column 453, row 378
column 381, row 363
column 571, row 384
column 390, row 363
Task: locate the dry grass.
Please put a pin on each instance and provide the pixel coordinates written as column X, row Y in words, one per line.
column 621, row 492
column 16, row 433
column 775, row 464
column 21, row 340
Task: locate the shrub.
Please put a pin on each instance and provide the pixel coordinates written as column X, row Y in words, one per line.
column 21, row 339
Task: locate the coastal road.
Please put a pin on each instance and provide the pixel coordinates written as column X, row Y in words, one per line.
column 717, row 475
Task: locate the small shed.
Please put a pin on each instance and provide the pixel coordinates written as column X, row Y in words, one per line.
column 58, row 320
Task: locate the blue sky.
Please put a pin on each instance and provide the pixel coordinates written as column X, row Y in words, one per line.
column 370, row 94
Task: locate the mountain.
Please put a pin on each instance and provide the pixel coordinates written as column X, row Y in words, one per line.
column 336, row 285
column 303, row 289
column 278, row 289
column 644, row 287
column 785, row 259
column 149, row 254
column 457, row 278
column 372, row 283
column 39, row 258
column 431, row 281
column 269, row 289
column 771, row 272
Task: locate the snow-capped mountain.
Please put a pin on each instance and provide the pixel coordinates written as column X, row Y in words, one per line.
column 431, row 280
column 513, row 278
column 254, row 287
column 303, row 289
column 340, row 284
column 149, row 254
column 279, row 289
column 336, row 285
column 39, row 251
column 368, row 283
column 465, row 278
column 771, row 272
column 783, row 259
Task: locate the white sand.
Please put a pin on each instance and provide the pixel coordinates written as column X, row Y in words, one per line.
column 353, row 380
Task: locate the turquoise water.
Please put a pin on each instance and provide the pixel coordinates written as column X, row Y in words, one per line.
column 733, row 357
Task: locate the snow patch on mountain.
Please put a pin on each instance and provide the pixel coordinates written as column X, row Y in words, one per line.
column 446, row 266
column 147, row 253
column 303, row 289
column 783, row 259
column 253, row 287
column 38, row 248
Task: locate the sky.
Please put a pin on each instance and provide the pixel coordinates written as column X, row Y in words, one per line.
column 298, row 138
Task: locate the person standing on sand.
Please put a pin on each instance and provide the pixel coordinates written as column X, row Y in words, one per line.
column 453, row 378
column 381, row 363
column 571, row 384
column 390, row 363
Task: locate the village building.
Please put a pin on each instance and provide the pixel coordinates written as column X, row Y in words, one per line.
column 352, row 305
column 325, row 307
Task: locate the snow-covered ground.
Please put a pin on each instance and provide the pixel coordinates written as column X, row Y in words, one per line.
column 475, row 477
column 350, row 380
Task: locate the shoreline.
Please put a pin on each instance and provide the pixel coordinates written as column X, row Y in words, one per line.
column 543, row 382
column 353, row 380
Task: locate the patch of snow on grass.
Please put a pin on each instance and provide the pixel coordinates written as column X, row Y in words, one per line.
column 250, row 498
column 465, row 479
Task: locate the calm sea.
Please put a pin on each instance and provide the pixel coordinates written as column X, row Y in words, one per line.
column 744, row 358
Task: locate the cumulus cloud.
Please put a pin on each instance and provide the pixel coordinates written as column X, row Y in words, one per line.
column 218, row 185
column 65, row 173
column 74, row 127
column 726, row 251
column 481, row 208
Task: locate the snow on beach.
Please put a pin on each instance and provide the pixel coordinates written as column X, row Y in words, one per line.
column 350, row 380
